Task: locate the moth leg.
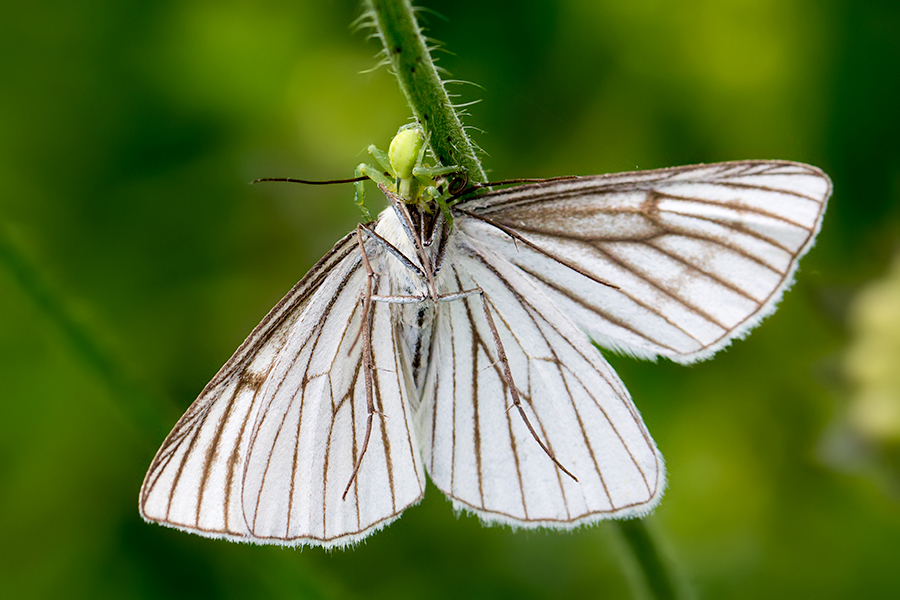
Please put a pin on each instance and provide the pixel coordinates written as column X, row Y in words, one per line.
column 371, row 274
column 507, row 373
column 390, row 248
column 365, row 334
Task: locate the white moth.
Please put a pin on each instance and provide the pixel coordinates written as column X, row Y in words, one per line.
column 453, row 337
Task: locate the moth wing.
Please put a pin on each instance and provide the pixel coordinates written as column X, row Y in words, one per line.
column 265, row 453
column 477, row 447
column 675, row 262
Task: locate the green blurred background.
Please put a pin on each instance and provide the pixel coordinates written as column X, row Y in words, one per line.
column 129, row 131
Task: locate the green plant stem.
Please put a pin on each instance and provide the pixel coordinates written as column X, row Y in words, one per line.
column 410, row 60
column 655, row 569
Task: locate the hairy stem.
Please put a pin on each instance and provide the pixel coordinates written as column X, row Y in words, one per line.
column 406, row 50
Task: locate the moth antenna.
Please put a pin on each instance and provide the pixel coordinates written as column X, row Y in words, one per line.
column 309, row 181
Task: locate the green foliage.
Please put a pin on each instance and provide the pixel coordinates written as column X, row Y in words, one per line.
column 128, row 132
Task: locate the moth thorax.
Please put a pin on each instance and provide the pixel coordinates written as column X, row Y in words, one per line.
column 418, row 315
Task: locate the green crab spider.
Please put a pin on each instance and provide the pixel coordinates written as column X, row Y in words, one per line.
column 403, row 170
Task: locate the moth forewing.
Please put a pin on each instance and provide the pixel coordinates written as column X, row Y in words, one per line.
column 682, row 276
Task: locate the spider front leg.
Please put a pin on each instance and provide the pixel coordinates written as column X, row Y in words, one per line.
column 383, row 159
column 376, row 175
column 428, row 178
column 427, row 175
